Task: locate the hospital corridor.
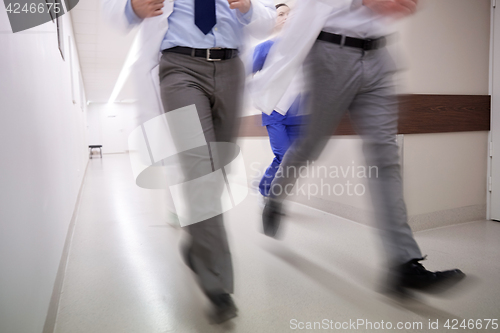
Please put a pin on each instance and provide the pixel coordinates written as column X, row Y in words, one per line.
column 249, row 166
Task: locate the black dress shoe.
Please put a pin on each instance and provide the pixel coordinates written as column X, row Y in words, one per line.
column 412, row 275
column 223, row 308
column 271, row 217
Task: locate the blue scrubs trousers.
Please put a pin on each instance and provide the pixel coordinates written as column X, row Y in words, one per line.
column 281, row 138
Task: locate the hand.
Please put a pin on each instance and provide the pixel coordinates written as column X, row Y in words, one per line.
column 395, row 8
column 147, row 8
column 242, row 5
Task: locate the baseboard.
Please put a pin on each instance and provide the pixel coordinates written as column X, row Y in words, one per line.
column 50, row 320
column 116, row 153
column 419, row 222
column 335, row 208
column 447, row 217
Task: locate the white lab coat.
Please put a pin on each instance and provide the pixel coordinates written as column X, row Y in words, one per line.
column 287, row 55
column 142, row 65
column 145, row 54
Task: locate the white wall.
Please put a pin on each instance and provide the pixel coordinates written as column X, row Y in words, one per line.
column 43, row 160
column 445, row 173
column 451, row 154
column 445, row 48
column 110, row 124
column 94, row 128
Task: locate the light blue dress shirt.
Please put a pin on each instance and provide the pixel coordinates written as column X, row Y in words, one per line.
column 227, row 33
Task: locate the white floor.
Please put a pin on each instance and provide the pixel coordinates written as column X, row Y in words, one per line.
column 125, row 274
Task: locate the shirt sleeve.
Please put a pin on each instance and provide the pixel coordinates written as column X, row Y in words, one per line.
column 245, row 18
column 132, row 17
column 260, row 55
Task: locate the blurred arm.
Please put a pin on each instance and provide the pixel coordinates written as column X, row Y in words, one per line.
column 132, row 17
column 260, row 54
column 393, row 8
column 124, row 14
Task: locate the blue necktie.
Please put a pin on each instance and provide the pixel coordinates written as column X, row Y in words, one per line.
column 204, row 15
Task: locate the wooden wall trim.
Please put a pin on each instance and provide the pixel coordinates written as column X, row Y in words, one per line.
column 418, row 114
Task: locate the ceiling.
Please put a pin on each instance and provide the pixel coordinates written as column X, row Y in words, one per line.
column 102, row 51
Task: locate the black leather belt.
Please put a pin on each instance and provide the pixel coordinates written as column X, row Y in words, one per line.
column 365, row 44
column 213, row 54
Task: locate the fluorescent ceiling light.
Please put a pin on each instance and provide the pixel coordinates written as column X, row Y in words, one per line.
column 126, row 69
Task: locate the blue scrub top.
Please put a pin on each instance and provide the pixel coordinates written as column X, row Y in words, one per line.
column 292, row 116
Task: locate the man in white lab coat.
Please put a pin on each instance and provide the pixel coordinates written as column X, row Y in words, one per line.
column 200, row 41
column 349, row 68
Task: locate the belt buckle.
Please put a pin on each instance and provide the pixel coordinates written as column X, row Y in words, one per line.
column 208, row 53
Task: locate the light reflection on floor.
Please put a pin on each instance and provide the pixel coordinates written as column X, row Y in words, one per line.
column 125, row 274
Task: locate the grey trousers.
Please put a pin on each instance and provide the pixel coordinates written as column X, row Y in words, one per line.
column 216, row 89
column 345, row 78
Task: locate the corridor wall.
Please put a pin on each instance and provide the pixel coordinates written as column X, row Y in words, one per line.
column 43, row 161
